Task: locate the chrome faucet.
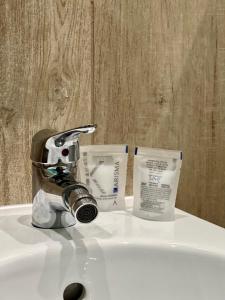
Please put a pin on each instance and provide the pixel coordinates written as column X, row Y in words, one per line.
column 59, row 199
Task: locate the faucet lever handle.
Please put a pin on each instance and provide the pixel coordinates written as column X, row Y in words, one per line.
column 71, row 134
column 47, row 143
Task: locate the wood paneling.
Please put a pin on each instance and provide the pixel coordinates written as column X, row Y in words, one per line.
column 45, row 80
column 159, row 81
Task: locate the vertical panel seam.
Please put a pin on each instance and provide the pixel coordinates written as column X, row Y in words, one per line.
column 92, row 66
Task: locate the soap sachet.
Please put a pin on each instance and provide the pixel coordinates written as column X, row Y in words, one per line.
column 104, row 168
column 155, row 182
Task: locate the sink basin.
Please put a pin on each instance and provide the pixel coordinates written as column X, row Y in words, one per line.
column 116, row 257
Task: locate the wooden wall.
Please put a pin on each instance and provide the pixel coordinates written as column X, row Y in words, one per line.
column 149, row 72
column 45, row 60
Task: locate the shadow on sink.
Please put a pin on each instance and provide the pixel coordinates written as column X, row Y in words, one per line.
column 70, row 233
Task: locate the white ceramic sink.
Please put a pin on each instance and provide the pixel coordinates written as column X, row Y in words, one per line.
column 117, row 257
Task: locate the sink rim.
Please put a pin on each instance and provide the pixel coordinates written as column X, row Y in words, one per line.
column 117, row 227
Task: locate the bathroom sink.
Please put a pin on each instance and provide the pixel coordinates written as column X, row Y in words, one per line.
column 116, row 257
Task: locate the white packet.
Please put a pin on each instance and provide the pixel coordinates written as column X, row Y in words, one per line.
column 155, row 182
column 104, row 168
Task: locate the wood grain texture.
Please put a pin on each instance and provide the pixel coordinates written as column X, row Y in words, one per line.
column 45, row 80
column 159, row 81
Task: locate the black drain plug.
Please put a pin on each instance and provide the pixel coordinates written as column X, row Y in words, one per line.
column 74, row 291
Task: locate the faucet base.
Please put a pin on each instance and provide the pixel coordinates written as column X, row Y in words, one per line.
column 57, row 226
column 53, row 216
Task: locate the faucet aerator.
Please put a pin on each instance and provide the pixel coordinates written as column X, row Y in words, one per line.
column 86, row 213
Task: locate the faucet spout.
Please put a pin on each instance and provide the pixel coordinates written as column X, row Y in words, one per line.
column 82, row 204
